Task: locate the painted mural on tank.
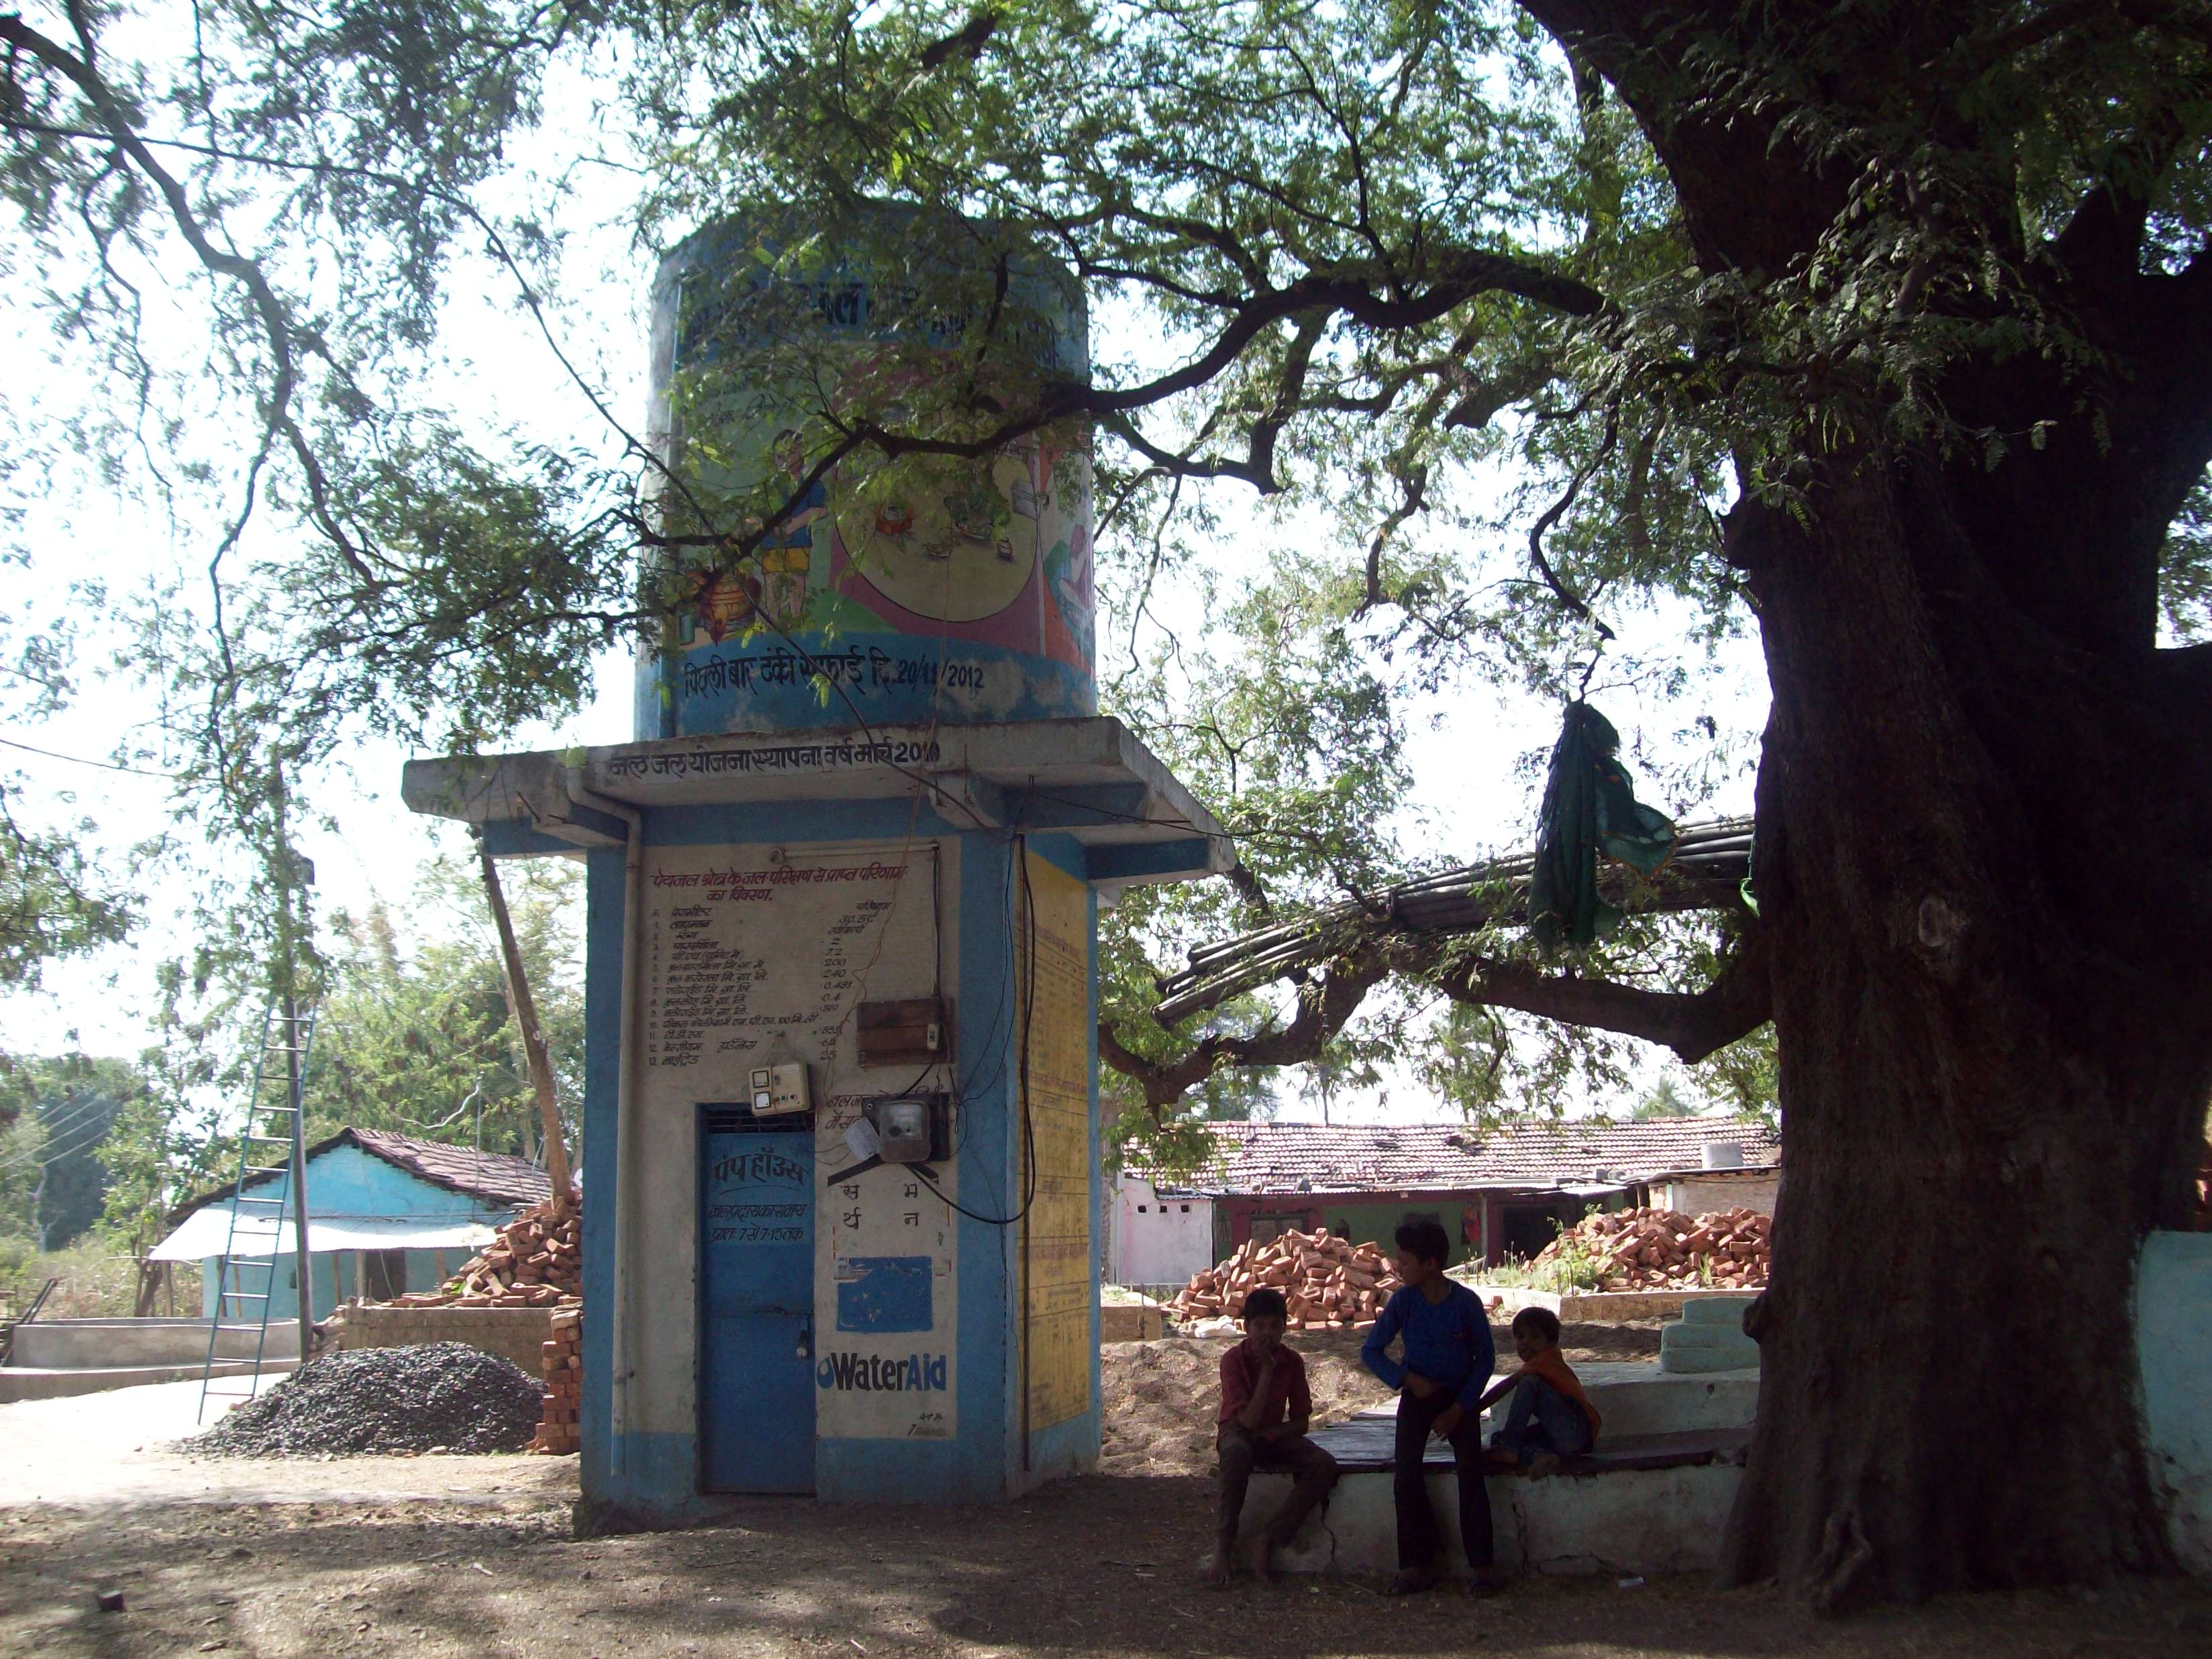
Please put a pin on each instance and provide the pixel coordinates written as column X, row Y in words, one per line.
column 944, row 588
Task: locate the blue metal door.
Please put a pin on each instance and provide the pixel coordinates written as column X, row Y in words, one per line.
column 757, row 1309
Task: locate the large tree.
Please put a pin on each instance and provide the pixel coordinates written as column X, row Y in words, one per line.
column 1887, row 327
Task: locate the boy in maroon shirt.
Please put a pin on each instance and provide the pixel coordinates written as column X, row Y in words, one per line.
column 1265, row 1409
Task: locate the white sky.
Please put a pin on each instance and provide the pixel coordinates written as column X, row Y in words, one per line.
column 1464, row 753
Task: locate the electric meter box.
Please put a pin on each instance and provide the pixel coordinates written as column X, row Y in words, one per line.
column 912, row 1129
column 780, row 1091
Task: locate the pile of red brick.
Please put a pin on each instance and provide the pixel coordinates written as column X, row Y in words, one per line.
column 1653, row 1249
column 536, row 1261
column 1329, row 1284
column 563, row 1363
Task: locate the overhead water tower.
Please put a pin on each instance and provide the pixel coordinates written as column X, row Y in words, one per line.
column 840, row 1091
column 946, row 589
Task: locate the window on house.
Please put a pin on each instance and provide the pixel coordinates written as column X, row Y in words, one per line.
column 1186, row 1209
column 1140, row 1209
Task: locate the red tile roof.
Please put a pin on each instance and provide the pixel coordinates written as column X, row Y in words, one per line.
column 1288, row 1158
column 493, row 1177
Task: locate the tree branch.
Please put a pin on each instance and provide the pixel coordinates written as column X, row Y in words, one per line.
column 1692, row 1023
column 1326, row 1005
column 268, row 310
column 1566, row 595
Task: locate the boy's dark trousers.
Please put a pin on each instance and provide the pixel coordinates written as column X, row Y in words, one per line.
column 1540, row 1419
column 1312, row 1472
column 1419, row 1544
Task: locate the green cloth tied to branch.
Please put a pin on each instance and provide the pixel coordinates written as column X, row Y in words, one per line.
column 1590, row 806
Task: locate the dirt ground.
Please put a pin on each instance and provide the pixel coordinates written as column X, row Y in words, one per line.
column 471, row 1558
column 1160, row 1396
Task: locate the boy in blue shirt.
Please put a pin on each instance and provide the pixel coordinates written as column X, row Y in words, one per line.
column 1448, row 1357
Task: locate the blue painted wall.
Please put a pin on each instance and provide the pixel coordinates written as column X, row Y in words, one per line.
column 657, row 1475
column 348, row 1182
column 607, row 900
column 2173, row 1348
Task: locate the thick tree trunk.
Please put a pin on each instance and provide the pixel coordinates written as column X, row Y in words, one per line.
column 1995, row 1059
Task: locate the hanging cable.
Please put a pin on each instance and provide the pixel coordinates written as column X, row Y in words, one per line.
column 1029, row 932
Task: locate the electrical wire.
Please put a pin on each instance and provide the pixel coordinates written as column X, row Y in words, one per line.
column 79, row 760
column 1028, row 1016
column 68, row 1120
column 22, row 1160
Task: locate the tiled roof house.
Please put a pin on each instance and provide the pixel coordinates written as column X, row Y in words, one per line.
column 1496, row 1192
column 1260, row 1159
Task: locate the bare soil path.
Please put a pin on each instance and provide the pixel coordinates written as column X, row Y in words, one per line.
column 381, row 1557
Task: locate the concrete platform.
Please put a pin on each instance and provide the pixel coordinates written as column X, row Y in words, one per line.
column 52, row 1383
column 1636, row 1397
column 1650, row 1498
column 1643, row 1504
column 1604, row 1307
column 94, row 1344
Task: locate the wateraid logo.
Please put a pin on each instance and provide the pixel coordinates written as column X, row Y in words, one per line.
column 874, row 1373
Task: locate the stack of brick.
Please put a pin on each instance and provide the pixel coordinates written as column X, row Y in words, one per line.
column 1655, row 1249
column 563, row 1361
column 1327, row 1283
column 536, row 1261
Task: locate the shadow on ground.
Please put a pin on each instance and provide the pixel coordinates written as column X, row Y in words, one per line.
column 1101, row 1565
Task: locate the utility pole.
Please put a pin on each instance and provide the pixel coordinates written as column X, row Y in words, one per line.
column 289, row 871
column 533, row 1040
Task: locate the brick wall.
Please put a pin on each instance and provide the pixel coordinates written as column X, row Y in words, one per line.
column 516, row 1334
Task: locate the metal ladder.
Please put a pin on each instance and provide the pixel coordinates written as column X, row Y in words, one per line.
column 250, row 1281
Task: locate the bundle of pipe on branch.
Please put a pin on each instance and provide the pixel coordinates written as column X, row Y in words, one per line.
column 1655, row 1249
column 535, row 1261
column 1327, row 1283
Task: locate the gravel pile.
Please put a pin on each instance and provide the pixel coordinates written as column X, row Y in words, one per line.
column 439, row 1396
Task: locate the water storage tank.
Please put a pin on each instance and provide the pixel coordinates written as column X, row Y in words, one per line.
column 1724, row 1155
column 949, row 589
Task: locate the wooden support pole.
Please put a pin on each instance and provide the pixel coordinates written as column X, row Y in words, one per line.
column 533, row 1042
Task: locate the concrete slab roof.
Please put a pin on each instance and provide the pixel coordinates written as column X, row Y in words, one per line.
column 1088, row 778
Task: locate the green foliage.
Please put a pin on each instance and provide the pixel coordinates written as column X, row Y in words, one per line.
column 22, row 1143
column 74, row 1101
column 1743, row 1079
column 1665, row 1100
column 96, row 1281
column 415, row 1036
column 1577, row 1266
column 1409, row 272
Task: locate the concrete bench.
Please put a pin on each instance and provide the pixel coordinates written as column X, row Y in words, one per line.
column 1649, row 1500
column 1368, row 1445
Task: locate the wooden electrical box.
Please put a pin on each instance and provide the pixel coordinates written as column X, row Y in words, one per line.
column 917, row 1031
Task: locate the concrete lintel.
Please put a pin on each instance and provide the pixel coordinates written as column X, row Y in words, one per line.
column 1088, row 777
column 1078, row 806
column 526, row 791
column 1130, row 864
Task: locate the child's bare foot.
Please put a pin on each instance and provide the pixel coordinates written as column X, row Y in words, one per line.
column 1542, row 1464
column 1411, row 1581
column 1217, row 1570
column 1261, row 1557
column 1484, row 1585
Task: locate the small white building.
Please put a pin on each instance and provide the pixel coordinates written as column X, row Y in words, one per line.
column 1157, row 1236
column 1723, row 1179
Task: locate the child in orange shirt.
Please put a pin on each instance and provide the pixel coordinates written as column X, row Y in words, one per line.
column 1551, row 1417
